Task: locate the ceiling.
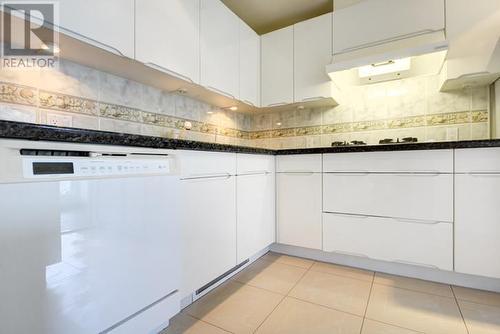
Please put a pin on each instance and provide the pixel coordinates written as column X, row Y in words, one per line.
column 268, row 15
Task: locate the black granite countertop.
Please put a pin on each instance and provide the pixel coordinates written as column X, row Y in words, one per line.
column 28, row 131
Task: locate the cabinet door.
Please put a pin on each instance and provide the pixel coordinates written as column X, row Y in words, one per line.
column 299, row 209
column 312, row 52
column 208, row 221
column 249, row 65
column 375, row 22
column 277, row 67
column 108, row 24
column 167, row 36
column 477, row 224
column 255, row 211
column 219, row 34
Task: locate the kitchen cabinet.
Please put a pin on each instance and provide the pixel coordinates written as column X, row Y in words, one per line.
column 298, row 184
column 219, row 43
column 477, row 227
column 277, row 67
column 107, row 24
column 388, row 239
column 208, row 197
column 255, row 193
column 249, row 65
column 167, row 36
column 372, row 23
column 312, row 52
column 479, row 65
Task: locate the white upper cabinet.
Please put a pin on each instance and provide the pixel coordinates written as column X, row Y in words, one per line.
column 168, row 36
column 219, row 42
column 249, row 65
column 312, row 52
column 477, row 25
column 394, row 28
column 277, row 67
column 108, row 24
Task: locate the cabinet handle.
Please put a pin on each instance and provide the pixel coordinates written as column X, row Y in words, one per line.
column 390, row 39
column 216, row 90
column 416, row 264
column 315, row 98
column 484, row 174
column 360, row 173
column 89, row 40
column 167, row 71
column 423, row 173
column 298, row 172
column 263, row 172
column 351, row 254
column 348, row 215
column 208, row 177
column 418, row 221
column 277, row 104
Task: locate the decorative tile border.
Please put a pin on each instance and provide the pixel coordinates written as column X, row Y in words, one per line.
column 17, row 94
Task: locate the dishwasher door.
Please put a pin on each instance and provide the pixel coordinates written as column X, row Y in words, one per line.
column 86, row 256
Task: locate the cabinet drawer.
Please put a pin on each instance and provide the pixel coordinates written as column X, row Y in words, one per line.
column 206, row 164
column 390, row 240
column 403, row 161
column 302, row 163
column 411, row 196
column 252, row 163
column 477, row 160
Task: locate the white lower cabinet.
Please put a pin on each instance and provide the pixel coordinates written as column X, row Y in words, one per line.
column 387, row 239
column 299, row 209
column 477, row 224
column 255, row 213
column 405, row 195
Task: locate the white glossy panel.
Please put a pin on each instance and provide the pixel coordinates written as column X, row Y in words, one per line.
column 377, row 21
column 477, row 160
column 81, row 256
column 402, row 161
column 219, row 44
column 168, row 35
column 208, row 220
column 477, row 225
column 277, row 67
column 299, row 209
column 255, row 214
column 390, row 240
column 304, row 163
column 312, row 52
column 411, row 196
column 249, row 65
column 253, row 163
column 206, row 164
column 110, row 22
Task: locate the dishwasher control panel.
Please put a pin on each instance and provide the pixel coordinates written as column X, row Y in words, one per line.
column 47, row 167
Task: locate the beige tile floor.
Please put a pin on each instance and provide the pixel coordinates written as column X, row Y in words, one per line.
column 281, row 294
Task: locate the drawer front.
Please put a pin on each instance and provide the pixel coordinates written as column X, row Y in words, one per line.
column 306, row 163
column 402, row 161
column 253, row 163
column 206, row 164
column 477, row 160
column 391, row 240
column 411, row 196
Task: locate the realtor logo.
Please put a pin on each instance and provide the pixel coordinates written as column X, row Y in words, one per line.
column 29, row 35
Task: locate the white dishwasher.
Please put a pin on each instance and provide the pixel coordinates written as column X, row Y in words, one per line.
column 89, row 238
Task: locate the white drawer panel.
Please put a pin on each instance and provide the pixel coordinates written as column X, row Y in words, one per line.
column 306, row 163
column 400, row 161
column 390, row 240
column 253, row 163
column 477, row 160
column 194, row 164
column 411, row 196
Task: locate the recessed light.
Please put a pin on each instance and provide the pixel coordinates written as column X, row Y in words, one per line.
column 233, row 108
column 210, row 112
column 301, row 107
column 278, row 124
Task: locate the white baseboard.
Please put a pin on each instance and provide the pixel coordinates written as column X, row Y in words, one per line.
column 429, row 274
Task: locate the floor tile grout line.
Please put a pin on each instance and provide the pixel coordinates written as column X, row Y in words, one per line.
column 261, row 288
column 209, row 323
column 367, row 304
column 327, row 307
column 413, row 290
column 460, row 311
column 339, row 275
column 394, row 325
column 270, row 313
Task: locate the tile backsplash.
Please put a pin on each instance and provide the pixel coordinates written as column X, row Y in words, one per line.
column 98, row 100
